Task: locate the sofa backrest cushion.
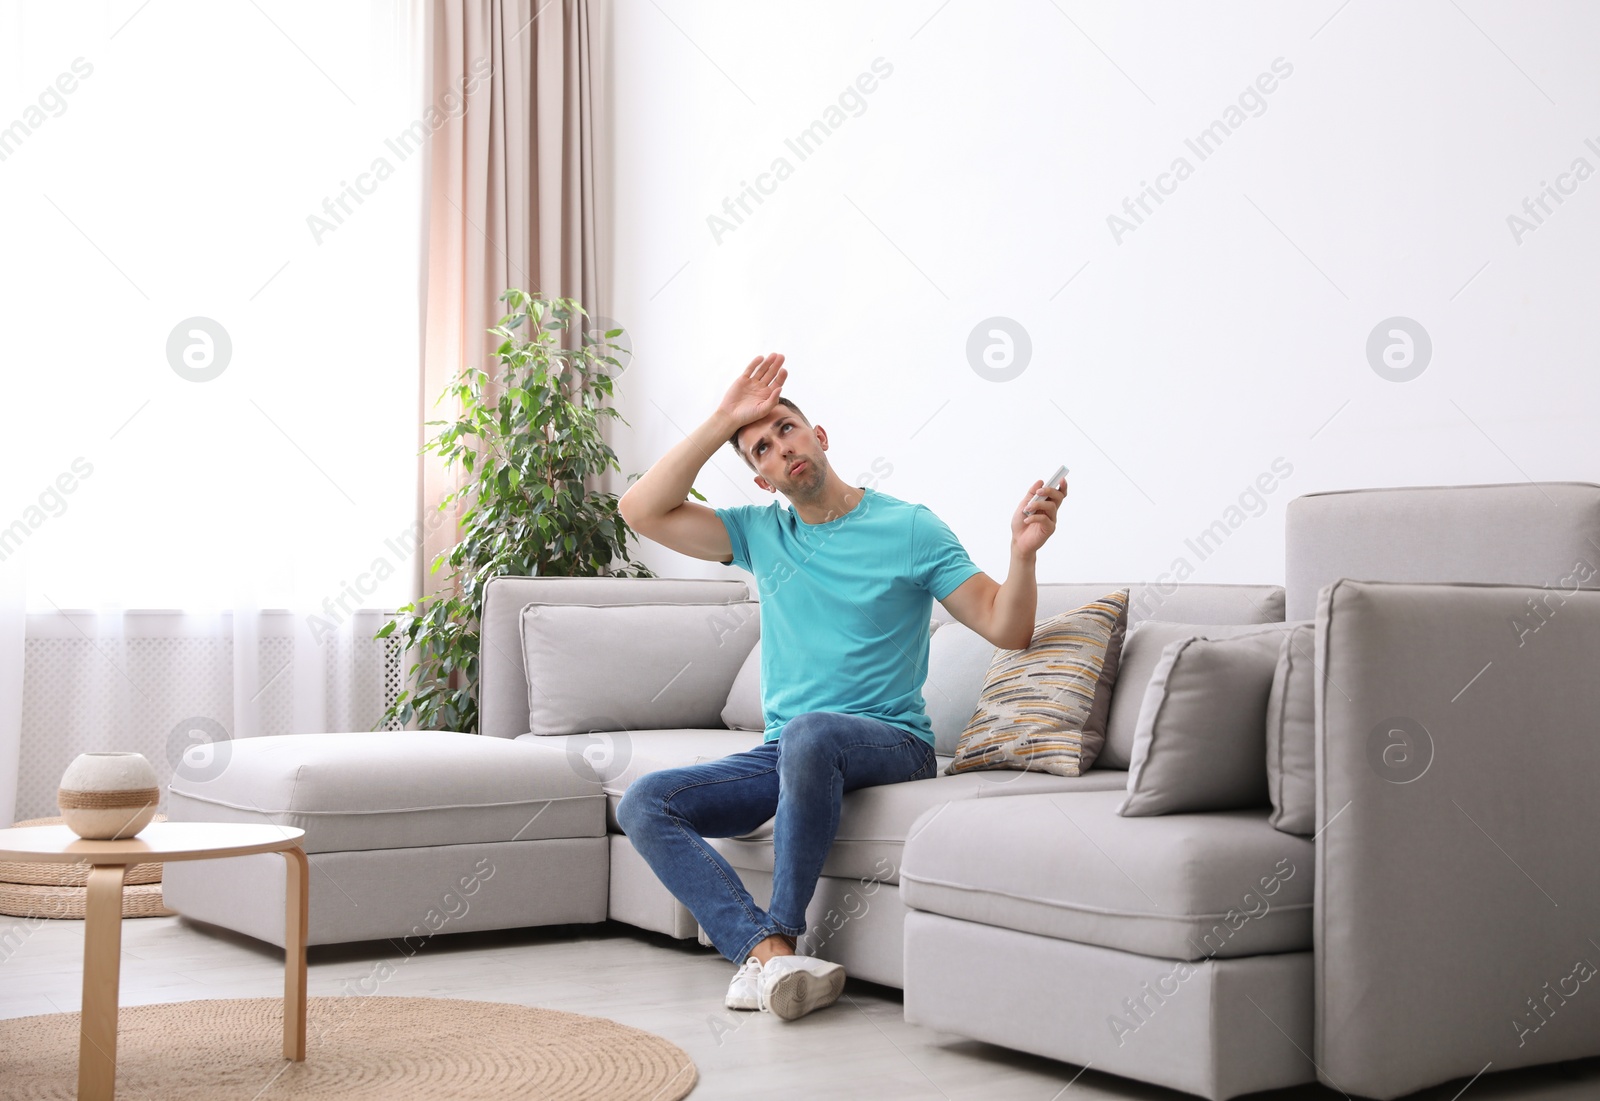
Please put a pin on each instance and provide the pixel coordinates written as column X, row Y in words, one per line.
column 1169, row 601
column 502, row 676
column 632, row 666
column 958, row 662
column 1291, row 734
column 1522, row 533
column 1200, row 743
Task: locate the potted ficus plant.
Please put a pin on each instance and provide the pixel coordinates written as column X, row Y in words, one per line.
column 526, row 439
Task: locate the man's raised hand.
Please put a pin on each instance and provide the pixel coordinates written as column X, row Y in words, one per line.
column 1030, row 529
column 755, row 392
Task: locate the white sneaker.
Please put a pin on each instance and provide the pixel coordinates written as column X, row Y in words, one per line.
column 792, row 986
column 742, row 990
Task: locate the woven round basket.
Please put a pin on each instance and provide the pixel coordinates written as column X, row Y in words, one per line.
column 38, row 889
column 37, row 900
column 70, row 875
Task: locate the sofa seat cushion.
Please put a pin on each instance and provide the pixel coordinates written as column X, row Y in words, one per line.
column 1178, row 886
column 614, row 759
column 875, row 822
column 390, row 790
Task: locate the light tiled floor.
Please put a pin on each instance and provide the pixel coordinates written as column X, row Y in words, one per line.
column 861, row 1048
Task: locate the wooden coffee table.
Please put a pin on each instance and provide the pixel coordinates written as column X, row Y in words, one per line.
column 102, row 934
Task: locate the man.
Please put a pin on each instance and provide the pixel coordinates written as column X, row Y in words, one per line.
column 846, row 577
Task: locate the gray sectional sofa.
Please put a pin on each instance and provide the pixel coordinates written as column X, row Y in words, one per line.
column 1386, row 925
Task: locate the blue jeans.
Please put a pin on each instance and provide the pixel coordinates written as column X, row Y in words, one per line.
column 799, row 780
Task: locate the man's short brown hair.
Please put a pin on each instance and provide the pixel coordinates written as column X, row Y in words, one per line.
column 733, row 440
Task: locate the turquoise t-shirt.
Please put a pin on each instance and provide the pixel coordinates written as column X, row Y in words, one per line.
column 845, row 606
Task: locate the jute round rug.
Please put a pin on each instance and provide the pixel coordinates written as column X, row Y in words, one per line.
column 366, row 1047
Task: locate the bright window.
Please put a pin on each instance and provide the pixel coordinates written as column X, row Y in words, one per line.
column 241, row 163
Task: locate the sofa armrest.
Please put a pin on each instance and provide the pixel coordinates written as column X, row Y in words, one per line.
column 1457, row 912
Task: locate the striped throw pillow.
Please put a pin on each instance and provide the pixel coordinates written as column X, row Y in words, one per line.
column 1044, row 709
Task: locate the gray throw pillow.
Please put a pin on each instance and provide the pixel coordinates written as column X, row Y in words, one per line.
column 1291, row 734
column 633, row 666
column 743, row 711
column 1141, row 651
column 1200, row 743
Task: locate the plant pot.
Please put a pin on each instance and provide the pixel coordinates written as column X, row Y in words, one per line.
column 108, row 796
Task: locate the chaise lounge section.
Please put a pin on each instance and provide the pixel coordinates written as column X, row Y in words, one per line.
column 408, row 834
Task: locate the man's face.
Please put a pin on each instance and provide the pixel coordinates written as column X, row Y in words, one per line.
column 776, row 444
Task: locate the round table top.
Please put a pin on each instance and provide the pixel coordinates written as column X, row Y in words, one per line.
column 157, row 841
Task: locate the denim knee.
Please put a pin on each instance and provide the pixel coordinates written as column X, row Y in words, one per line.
column 805, row 742
column 639, row 803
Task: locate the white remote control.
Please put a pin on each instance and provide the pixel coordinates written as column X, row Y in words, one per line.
column 1050, row 483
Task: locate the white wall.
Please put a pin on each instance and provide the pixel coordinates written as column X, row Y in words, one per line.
column 1228, row 330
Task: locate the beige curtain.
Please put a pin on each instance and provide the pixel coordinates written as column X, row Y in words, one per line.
column 511, row 194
